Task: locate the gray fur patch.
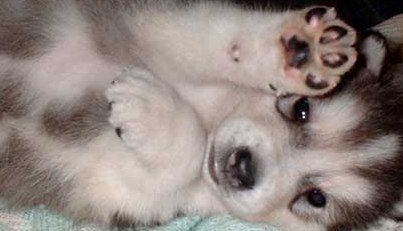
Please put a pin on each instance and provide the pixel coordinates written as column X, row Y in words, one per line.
column 78, row 123
column 382, row 99
column 14, row 102
column 122, row 221
column 22, row 181
column 22, row 25
column 111, row 34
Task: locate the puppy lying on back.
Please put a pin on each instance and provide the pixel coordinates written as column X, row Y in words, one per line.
column 201, row 132
column 331, row 163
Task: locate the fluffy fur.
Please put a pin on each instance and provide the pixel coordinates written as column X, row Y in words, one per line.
column 191, row 123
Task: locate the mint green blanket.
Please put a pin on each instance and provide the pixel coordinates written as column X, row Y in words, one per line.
column 40, row 219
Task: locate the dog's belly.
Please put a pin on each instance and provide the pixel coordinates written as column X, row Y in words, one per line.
column 64, row 65
column 69, row 69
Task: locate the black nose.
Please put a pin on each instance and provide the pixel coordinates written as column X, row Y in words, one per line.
column 296, row 51
column 240, row 169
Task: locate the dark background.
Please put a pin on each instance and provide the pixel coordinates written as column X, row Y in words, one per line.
column 361, row 14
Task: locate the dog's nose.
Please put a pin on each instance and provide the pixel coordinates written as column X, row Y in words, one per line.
column 296, row 51
column 240, row 169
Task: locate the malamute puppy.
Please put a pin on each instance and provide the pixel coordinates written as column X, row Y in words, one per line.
column 330, row 163
column 192, row 128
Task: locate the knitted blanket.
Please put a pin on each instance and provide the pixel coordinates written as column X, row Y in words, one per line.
column 41, row 219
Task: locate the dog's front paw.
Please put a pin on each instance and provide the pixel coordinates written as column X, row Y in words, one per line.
column 142, row 108
column 318, row 50
column 157, row 125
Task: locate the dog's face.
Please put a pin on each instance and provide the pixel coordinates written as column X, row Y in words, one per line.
column 313, row 163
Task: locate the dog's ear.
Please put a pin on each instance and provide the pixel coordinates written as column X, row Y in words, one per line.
column 392, row 29
column 374, row 50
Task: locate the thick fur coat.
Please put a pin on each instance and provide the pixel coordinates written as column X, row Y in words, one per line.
column 192, row 125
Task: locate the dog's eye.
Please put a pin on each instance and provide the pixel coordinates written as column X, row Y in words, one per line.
column 316, row 198
column 294, row 108
column 301, row 110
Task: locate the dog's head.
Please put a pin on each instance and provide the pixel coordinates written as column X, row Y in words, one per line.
column 315, row 163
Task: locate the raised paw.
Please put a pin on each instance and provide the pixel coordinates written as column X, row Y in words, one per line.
column 318, row 50
column 141, row 109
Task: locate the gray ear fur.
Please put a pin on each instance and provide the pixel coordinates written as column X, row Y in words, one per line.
column 392, row 30
column 374, row 49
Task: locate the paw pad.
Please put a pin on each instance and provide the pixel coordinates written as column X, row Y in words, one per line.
column 297, row 51
column 318, row 50
column 315, row 82
column 332, row 34
column 315, row 14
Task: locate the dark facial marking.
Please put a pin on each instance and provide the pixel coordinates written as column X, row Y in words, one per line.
column 383, row 117
column 382, row 101
column 348, row 214
column 397, row 218
column 77, row 123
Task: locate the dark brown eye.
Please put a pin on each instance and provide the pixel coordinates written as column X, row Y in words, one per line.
column 294, row 108
column 316, row 198
column 302, row 110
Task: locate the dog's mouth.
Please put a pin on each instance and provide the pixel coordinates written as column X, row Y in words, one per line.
column 235, row 170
